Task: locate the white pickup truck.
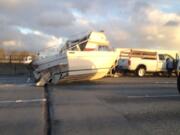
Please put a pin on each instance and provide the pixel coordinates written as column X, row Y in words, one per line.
column 140, row 62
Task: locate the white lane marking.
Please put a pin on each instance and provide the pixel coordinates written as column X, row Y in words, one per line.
column 164, row 82
column 23, row 101
column 148, row 96
column 21, row 85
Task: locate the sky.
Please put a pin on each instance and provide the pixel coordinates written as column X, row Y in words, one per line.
column 36, row 25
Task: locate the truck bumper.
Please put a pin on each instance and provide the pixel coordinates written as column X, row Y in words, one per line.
column 122, row 69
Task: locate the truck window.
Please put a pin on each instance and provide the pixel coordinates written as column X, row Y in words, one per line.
column 161, row 57
column 103, row 48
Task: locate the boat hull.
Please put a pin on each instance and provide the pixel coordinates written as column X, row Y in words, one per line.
column 76, row 66
column 89, row 65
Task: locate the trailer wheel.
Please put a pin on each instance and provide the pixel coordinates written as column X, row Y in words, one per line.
column 178, row 83
column 141, row 71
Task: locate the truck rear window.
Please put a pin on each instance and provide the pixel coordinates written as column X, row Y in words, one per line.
column 161, row 57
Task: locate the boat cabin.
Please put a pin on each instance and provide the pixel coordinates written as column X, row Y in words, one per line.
column 95, row 41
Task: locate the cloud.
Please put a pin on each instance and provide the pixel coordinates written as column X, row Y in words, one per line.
column 9, row 43
column 19, row 38
column 130, row 23
column 160, row 29
column 15, row 4
column 173, row 23
column 160, row 18
column 56, row 19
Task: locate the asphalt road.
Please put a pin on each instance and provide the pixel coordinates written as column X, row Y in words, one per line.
column 110, row 106
column 115, row 106
column 21, row 110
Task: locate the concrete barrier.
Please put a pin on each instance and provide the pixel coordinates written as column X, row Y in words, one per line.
column 13, row 69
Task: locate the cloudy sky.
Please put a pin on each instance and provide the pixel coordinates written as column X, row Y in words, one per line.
column 37, row 24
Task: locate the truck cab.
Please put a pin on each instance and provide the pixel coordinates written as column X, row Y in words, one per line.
column 161, row 62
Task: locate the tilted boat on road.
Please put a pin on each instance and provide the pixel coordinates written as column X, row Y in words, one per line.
column 86, row 58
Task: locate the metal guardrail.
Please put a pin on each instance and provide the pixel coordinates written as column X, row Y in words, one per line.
column 13, row 59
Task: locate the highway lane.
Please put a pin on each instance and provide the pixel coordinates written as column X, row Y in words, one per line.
column 116, row 106
column 125, row 105
column 22, row 110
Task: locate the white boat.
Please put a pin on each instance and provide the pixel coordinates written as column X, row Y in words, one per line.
column 87, row 58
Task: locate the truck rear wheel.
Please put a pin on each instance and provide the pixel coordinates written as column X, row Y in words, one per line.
column 178, row 83
column 141, row 71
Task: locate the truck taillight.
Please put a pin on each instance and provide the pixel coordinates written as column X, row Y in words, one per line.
column 129, row 62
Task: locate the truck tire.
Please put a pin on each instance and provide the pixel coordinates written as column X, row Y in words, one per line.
column 178, row 83
column 141, row 71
